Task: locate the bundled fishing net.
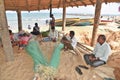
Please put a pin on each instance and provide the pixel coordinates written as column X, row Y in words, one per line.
column 41, row 64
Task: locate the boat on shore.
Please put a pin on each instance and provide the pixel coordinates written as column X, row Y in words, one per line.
column 105, row 20
column 84, row 22
column 75, row 22
column 69, row 21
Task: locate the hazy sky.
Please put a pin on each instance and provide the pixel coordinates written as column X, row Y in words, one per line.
column 110, row 8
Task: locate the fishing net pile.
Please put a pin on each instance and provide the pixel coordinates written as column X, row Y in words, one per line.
column 45, row 68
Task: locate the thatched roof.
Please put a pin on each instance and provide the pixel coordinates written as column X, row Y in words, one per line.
column 30, row 5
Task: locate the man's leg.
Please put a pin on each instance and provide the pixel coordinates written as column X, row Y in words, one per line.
column 86, row 58
column 97, row 63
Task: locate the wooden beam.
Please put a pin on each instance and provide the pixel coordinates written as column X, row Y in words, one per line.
column 64, row 15
column 59, row 3
column 7, row 46
column 74, row 2
column 82, row 2
column 14, row 4
column 19, row 20
column 39, row 4
column 50, row 3
column 69, row 4
column 105, row 1
column 96, row 21
column 27, row 5
column 67, row 1
column 92, row 2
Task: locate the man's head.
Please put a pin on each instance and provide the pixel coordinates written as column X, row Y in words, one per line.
column 101, row 39
column 36, row 24
column 72, row 33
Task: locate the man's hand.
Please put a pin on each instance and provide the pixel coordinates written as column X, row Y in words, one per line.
column 93, row 58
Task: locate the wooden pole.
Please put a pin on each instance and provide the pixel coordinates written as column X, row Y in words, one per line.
column 5, row 34
column 50, row 9
column 19, row 20
column 64, row 16
column 96, row 21
column 50, row 15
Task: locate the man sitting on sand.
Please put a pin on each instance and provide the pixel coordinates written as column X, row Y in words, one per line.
column 53, row 34
column 36, row 30
column 100, row 54
column 69, row 41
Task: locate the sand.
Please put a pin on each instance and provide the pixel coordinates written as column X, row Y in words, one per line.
column 19, row 69
column 22, row 67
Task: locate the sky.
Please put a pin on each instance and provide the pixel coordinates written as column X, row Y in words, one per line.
column 110, row 8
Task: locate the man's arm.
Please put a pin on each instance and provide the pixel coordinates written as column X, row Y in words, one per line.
column 67, row 41
column 95, row 49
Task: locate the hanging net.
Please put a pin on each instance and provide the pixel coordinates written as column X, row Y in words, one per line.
column 41, row 64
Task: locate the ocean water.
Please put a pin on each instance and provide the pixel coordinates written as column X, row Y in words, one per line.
column 40, row 18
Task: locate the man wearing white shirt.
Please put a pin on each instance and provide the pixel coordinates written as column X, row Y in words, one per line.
column 70, row 41
column 100, row 54
column 53, row 34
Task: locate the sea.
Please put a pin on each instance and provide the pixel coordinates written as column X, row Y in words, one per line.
column 29, row 19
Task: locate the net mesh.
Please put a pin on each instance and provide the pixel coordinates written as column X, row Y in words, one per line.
column 41, row 64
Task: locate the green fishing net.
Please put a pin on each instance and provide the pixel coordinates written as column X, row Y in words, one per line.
column 41, row 64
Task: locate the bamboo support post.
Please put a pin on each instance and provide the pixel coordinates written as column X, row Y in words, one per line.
column 19, row 20
column 64, row 16
column 96, row 21
column 7, row 46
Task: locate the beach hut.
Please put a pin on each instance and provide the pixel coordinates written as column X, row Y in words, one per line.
column 32, row 5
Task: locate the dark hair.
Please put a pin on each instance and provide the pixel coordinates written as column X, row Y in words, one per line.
column 10, row 31
column 36, row 24
column 25, row 34
column 103, row 37
column 72, row 32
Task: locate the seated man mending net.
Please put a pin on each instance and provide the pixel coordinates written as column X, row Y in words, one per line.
column 70, row 42
column 53, row 34
column 44, row 68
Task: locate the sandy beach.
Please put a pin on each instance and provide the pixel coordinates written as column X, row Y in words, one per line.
column 22, row 67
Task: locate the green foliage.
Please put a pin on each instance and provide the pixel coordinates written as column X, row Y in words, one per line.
column 45, row 34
